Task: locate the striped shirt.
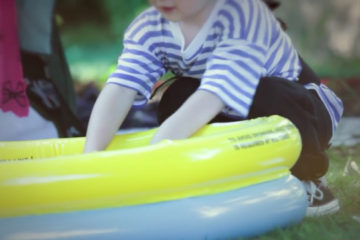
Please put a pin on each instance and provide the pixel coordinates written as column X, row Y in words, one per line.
column 240, row 42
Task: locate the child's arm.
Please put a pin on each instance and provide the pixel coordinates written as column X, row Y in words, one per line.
column 197, row 111
column 110, row 110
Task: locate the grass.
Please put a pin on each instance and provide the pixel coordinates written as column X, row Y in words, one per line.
column 342, row 225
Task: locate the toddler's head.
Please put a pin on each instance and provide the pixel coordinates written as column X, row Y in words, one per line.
column 182, row 10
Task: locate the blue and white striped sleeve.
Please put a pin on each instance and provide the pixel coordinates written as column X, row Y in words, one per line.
column 138, row 67
column 233, row 73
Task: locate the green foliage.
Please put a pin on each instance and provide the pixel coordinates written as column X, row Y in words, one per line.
column 92, row 33
column 108, row 14
column 122, row 12
column 80, row 12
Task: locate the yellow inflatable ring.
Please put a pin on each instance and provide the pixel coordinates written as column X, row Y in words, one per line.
column 48, row 176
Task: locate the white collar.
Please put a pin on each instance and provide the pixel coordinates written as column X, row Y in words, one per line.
column 200, row 37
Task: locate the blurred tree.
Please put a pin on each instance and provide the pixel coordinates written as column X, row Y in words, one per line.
column 324, row 29
column 122, row 12
column 114, row 15
column 78, row 12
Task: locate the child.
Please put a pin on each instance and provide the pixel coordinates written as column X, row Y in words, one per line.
column 232, row 61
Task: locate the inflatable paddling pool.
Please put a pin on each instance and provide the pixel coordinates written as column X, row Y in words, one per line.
column 228, row 180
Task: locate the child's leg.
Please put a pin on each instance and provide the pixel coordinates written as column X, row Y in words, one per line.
column 304, row 108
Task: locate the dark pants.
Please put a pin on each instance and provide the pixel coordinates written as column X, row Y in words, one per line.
column 274, row 96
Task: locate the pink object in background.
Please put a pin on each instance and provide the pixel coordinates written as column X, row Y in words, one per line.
column 12, row 86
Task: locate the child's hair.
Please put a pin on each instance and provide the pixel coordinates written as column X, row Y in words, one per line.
column 272, row 4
